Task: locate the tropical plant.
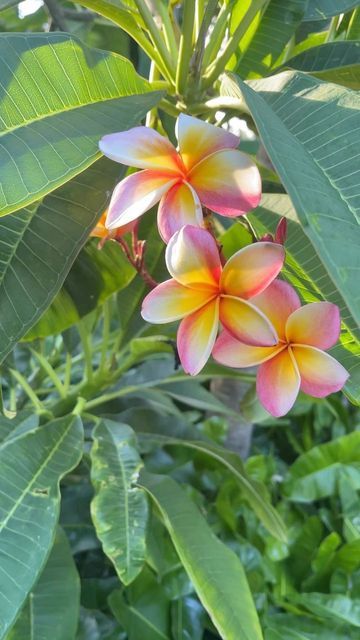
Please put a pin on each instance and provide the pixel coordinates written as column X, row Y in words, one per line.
column 127, row 511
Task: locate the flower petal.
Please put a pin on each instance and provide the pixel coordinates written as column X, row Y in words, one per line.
column 198, row 139
column 178, row 207
column 246, row 323
column 227, row 182
column 192, row 258
column 196, row 337
column 316, row 324
column 249, row 271
column 233, row 353
column 278, row 301
column 320, row 373
column 143, row 148
column 171, row 301
column 134, row 195
column 278, row 383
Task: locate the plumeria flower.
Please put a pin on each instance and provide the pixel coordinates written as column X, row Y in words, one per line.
column 100, row 230
column 203, row 293
column 297, row 361
column 205, row 169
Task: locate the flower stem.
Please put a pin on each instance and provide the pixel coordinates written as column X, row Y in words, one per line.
column 86, row 345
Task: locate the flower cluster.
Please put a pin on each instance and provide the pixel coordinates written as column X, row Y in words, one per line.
column 260, row 317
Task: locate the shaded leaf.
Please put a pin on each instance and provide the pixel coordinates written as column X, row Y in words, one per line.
column 31, row 467
column 321, row 9
column 52, row 608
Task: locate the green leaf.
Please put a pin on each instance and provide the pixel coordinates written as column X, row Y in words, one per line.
column 215, row 571
column 291, row 627
column 332, row 62
column 305, row 270
column 145, row 613
column 254, row 491
column 316, row 164
column 119, row 511
column 322, row 9
column 316, row 473
column 57, row 98
column 187, row 619
column 37, row 249
column 274, row 30
column 31, row 467
column 335, row 607
column 52, row 608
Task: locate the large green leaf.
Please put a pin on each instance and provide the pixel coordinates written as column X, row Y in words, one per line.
column 308, row 274
column 38, row 247
column 57, row 98
column 274, row 30
column 317, row 473
column 31, row 466
column 333, row 62
column 119, row 510
column 253, row 490
column 311, row 132
column 52, row 607
column 321, row 9
column 215, row 571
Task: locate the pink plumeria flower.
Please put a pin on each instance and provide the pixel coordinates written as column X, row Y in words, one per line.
column 297, row 361
column 203, row 293
column 100, row 230
column 206, row 169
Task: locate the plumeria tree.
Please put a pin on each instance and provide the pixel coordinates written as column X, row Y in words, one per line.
column 193, row 165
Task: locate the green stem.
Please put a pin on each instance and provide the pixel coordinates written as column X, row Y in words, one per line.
column 199, row 15
column 197, row 59
column 186, row 46
column 219, row 65
column 156, row 38
column 105, row 335
column 217, row 34
column 331, row 34
column 28, row 390
column 46, row 366
column 219, row 104
column 169, row 108
column 67, row 374
column 169, row 33
column 86, row 345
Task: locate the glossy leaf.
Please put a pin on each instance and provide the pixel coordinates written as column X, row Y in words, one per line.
column 58, row 97
column 305, row 270
column 215, row 571
column 316, row 473
column 119, row 511
column 31, row 467
column 52, row 607
column 37, row 248
column 322, row 9
column 333, row 62
column 254, row 491
column 315, row 162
